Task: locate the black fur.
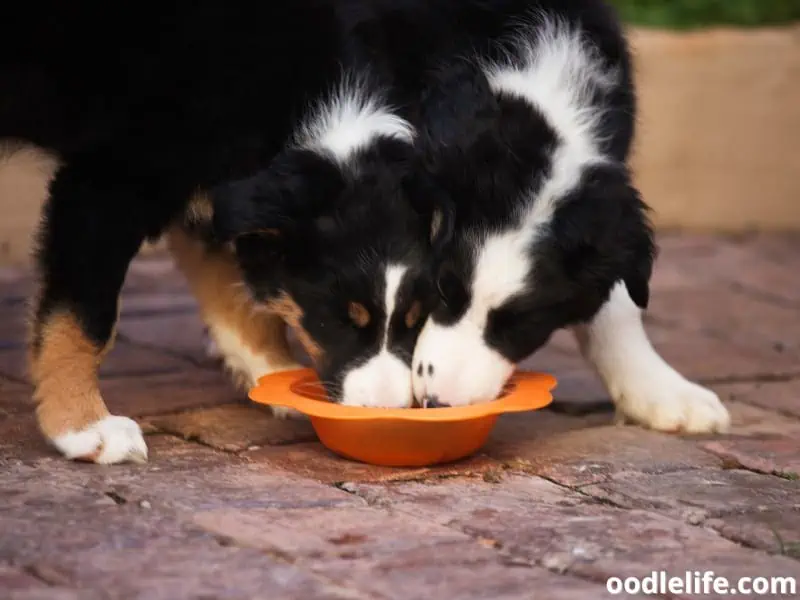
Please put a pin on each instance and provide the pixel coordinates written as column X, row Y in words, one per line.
column 146, row 106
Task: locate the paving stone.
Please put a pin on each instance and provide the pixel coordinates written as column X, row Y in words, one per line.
column 123, row 360
column 731, row 316
column 183, row 334
column 157, row 303
column 776, row 455
column 20, row 438
column 154, row 274
column 152, row 556
column 169, row 392
column 462, row 571
column 235, row 427
column 592, row 455
column 749, row 420
column 414, row 557
column 13, row 324
column 536, row 521
column 780, row 396
column 775, row 530
column 701, row 357
column 314, row 461
column 15, row 579
column 348, row 532
column 15, row 398
column 529, row 429
column 761, row 264
column 699, row 494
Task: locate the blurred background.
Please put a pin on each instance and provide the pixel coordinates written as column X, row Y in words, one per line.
column 718, row 145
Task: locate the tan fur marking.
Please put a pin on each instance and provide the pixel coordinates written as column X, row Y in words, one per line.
column 200, row 209
column 358, row 314
column 216, row 282
column 64, row 371
column 287, row 308
column 413, row 314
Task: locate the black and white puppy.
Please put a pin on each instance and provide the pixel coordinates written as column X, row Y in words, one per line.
column 530, row 143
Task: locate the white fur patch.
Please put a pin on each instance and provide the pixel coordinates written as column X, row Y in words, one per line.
column 384, row 380
column 643, row 386
column 350, row 119
column 246, row 365
column 113, row 440
column 556, row 73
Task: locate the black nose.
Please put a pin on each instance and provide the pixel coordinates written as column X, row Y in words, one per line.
column 432, row 401
column 421, row 369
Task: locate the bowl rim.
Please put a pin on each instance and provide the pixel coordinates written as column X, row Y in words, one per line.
column 530, row 391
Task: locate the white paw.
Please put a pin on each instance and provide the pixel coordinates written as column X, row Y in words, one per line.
column 111, row 440
column 671, row 403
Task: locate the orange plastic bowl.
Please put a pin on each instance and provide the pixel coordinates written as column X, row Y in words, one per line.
column 400, row 437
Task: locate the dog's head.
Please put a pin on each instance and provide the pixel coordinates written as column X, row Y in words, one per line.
column 543, row 230
column 331, row 237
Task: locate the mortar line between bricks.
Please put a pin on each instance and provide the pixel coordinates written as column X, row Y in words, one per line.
column 757, row 294
column 298, row 562
column 505, row 555
column 700, row 523
column 167, row 351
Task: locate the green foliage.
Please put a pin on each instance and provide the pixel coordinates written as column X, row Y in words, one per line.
column 692, row 14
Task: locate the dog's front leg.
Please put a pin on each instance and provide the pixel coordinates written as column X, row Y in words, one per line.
column 644, row 388
column 249, row 338
column 91, row 229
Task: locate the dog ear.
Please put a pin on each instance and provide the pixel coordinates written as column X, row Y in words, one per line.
column 274, row 204
column 603, row 231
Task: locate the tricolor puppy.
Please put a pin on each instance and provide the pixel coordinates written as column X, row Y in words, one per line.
column 530, row 144
column 328, row 239
column 143, row 119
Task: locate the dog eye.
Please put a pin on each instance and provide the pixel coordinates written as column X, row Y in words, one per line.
column 413, row 314
column 358, row 314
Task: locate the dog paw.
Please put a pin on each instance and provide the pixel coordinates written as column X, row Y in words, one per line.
column 671, row 403
column 109, row 441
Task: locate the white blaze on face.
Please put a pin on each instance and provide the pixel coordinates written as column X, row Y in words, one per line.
column 558, row 76
column 452, row 364
column 384, row 380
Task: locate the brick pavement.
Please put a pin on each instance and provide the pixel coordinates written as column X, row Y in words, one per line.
column 236, row 505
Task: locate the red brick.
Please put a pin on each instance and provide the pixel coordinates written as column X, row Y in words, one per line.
column 780, row 396
column 314, row 461
column 774, row 530
column 703, row 357
column 21, row 439
column 537, row 521
column 771, row 455
column 348, row 532
column 183, row 333
column 463, row 571
column 166, row 393
column 749, row 420
column 123, row 360
column 593, row 455
column 235, row 427
column 763, row 264
column 13, row 325
column 413, row 557
column 751, row 324
column 157, row 303
column 699, row 494
column 15, row 398
column 13, row 579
